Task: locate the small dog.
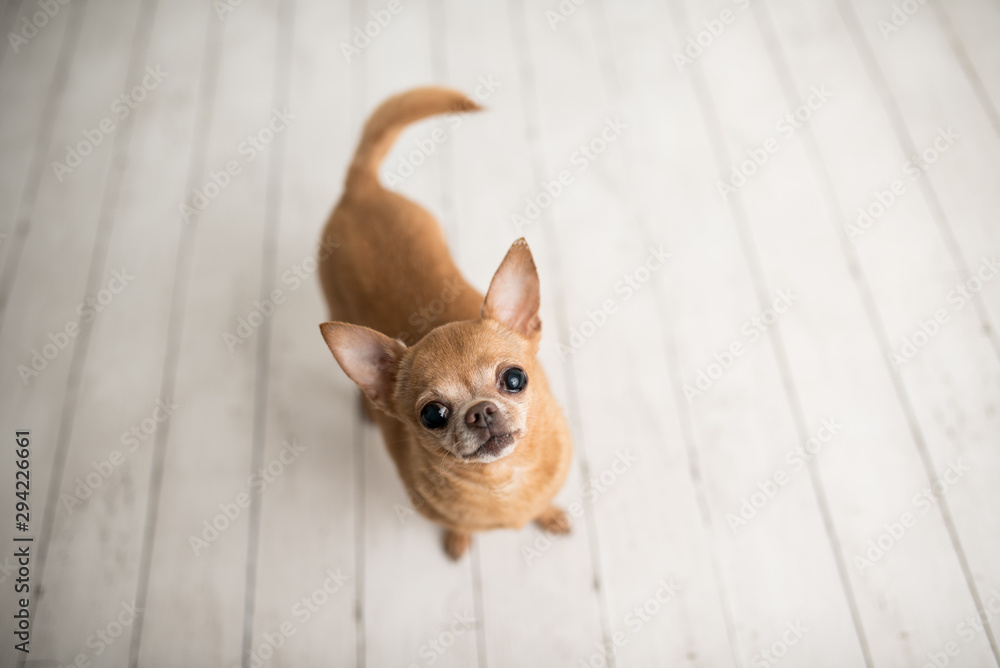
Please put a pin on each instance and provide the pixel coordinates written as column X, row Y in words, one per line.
column 464, row 408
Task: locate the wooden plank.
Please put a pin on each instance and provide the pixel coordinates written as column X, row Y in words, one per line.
column 96, row 543
column 311, row 505
column 403, row 553
column 39, row 401
column 207, row 474
column 951, row 382
column 33, row 76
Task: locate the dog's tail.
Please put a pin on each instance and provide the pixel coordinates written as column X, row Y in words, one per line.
column 385, row 124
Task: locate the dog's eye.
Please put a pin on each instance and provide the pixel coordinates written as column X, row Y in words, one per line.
column 514, row 379
column 434, row 415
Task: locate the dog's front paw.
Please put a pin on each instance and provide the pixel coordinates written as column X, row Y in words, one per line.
column 456, row 543
column 554, row 520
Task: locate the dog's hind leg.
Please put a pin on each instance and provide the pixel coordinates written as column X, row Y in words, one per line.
column 456, row 543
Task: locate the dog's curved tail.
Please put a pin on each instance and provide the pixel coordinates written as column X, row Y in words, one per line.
column 386, row 122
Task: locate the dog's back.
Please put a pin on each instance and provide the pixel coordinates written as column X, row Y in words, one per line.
column 392, row 261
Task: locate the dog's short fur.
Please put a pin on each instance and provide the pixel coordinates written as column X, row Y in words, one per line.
column 503, row 454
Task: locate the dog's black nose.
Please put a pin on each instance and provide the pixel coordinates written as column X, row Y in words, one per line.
column 481, row 415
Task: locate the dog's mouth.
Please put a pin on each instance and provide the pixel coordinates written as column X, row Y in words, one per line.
column 495, row 447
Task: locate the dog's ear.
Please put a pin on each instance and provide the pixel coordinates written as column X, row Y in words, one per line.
column 514, row 298
column 369, row 358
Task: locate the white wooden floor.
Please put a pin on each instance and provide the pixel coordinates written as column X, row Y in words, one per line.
column 755, row 487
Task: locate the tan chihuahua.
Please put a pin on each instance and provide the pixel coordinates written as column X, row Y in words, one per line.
column 464, row 407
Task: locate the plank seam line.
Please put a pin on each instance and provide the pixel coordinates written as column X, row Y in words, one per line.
column 175, row 329
column 359, row 90
column 5, row 26
column 438, row 30
column 971, row 73
column 475, row 566
column 284, row 38
column 43, row 141
column 359, row 536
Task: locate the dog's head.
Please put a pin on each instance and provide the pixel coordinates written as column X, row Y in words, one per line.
column 466, row 387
